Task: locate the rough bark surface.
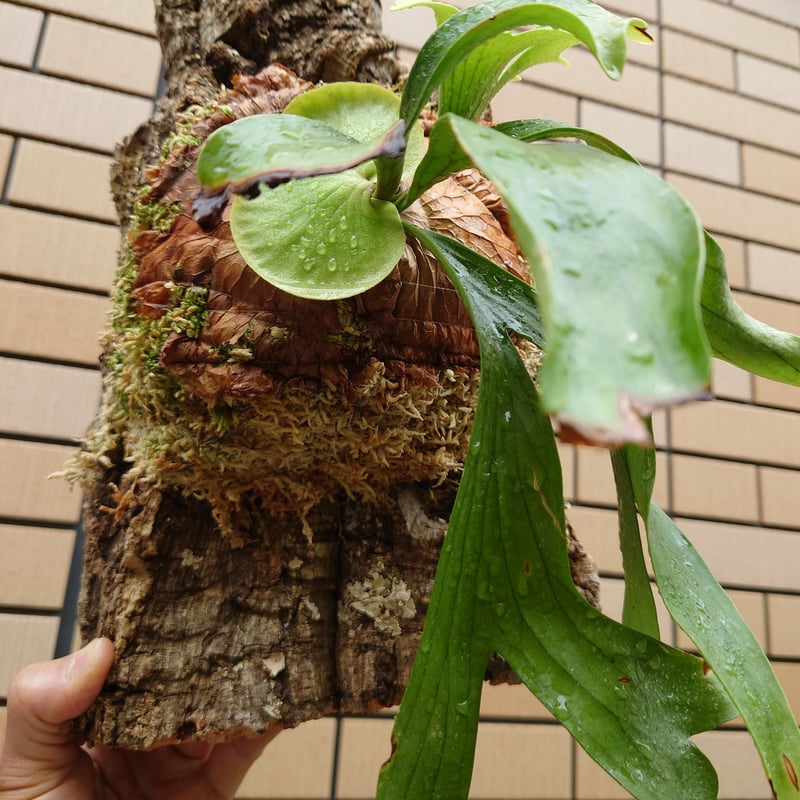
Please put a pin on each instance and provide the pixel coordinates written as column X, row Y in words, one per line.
column 219, row 635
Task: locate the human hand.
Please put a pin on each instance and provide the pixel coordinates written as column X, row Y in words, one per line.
column 41, row 756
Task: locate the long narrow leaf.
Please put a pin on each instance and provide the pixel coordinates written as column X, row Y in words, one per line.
column 639, row 607
column 504, row 585
column 738, row 338
column 700, row 606
column 535, row 130
column 602, row 32
column 470, row 87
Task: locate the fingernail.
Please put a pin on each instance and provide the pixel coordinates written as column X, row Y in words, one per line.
column 75, row 663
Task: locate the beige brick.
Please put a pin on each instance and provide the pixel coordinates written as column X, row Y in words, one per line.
column 782, row 10
column 731, row 383
column 788, row 675
column 770, row 172
column 740, row 213
column 592, row 782
column 520, row 100
column 45, row 399
column 595, row 477
column 644, row 53
column 660, row 427
column 768, row 81
column 135, row 15
column 6, row 145
column 640, row 135
column 566, row 453
column 522, row 761
column 644, row 9
column 698, row 59
column 734, row 259
column 771, row 393
column 702, row 154
column 297, row 764
column 752, row 607
column 52, row 249
column 20, row 27
column 28, row 493
column 409, row 28
column 736, row 553
column 62, row 179
column 90, row 53
column 775, row 312
column 774, row 271
column 637, row 90
column 26, row 639
column 50, row 323
column 738, row 765
column 35, row 566
column 784, row 632
column 612, row 599
column 738, row 431
column 364, row 745
column 780, row 491
column 734, row 28
column 708, row 487
column 513, row 702
column 597, row 529
column 731, row 115
column 66, row 112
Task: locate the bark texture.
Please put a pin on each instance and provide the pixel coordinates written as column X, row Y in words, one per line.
column 230, row 610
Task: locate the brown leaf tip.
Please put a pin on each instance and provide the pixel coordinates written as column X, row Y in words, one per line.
column 790, row 771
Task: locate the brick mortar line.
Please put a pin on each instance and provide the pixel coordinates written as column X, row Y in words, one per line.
column 28, row 611
column 754, row 53
column 43, row 284
column 56, row 362
column 83, row 18
column 63, row 214
column 36, row 522
column 60, row 143
column 741, row 523
column 737, row 187
column 27, row 438
column 78, row 82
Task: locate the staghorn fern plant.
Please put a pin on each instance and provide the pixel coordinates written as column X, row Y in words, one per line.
column 629, row 300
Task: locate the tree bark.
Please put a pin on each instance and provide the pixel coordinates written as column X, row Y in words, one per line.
column 228, row 615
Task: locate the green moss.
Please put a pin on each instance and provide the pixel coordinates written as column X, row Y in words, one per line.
column 189, row 313
column 154, row 216
column 178, row 139
column 223, row 415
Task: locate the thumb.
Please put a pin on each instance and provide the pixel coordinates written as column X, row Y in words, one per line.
column 42, row 700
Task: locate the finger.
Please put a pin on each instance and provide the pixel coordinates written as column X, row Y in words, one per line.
column 178, row 771
column 44, row 698
column 230, row 762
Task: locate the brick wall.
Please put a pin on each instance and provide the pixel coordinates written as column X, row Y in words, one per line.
column 714, row 106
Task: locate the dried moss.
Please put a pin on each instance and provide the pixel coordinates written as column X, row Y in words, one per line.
column 291, row 449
